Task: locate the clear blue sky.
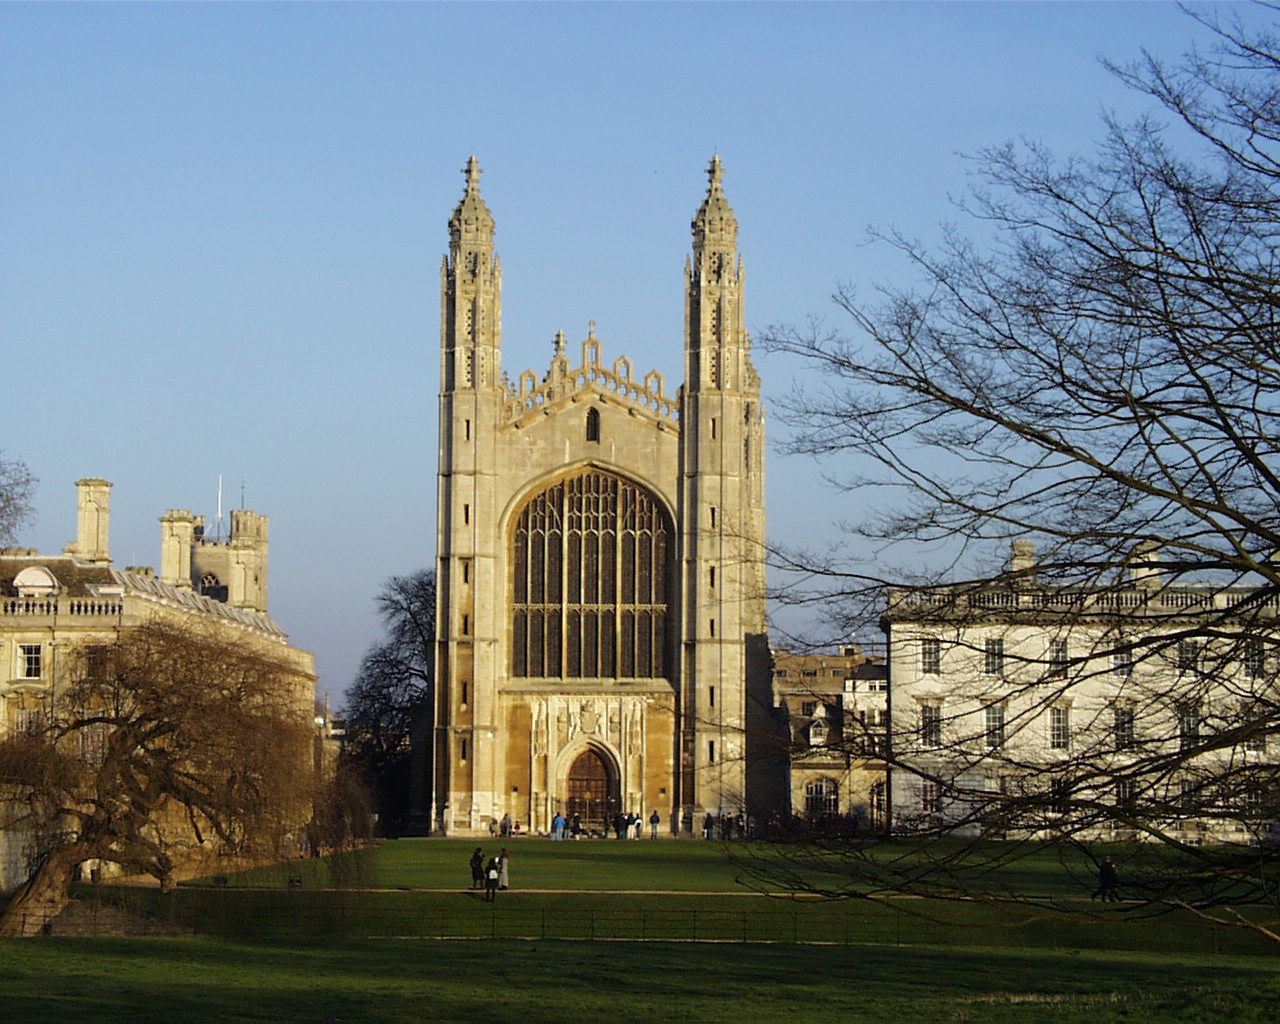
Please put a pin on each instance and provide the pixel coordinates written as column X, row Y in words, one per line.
column 222, row 227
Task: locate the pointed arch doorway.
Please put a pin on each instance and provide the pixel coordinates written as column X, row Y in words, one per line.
column 592, row 787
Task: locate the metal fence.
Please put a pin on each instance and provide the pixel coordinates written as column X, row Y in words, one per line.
column 243, row 913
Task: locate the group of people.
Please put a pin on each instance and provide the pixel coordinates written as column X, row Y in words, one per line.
column 566, row 827
column 505, row 828
column 624, row 826
column 728, row 826
column 490, row 876
column 631, row 825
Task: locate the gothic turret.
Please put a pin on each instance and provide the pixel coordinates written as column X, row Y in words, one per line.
column 471, row 294
column 468, row 545
column 721, row 516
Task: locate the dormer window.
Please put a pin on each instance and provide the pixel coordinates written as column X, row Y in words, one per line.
column 817, row 733
column 35, row 581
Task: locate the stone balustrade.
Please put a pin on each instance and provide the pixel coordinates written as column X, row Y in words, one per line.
column 61, row 607
column 1162, row 601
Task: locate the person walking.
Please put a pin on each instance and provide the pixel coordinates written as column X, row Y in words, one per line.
column 491, row 875
column 504, row 862
column 1108, row 882
column 654, row 821
column 477, row 869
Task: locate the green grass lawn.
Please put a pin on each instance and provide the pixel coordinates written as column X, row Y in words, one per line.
column 666, row 865
column 599, row 865
column 195, row 980
column 645, row 890
column 394, row 934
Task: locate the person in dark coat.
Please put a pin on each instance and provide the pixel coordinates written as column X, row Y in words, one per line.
column 1108, row 882
column 491, row 880
column 477, row 869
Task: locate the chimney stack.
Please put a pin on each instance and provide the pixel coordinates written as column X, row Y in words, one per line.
column 1144, row 565
column 1022, row 562
column 177, row 538
column 93, row 514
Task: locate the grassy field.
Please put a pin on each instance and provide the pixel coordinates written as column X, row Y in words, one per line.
column 608, row 865
column 364, row 939
column 196, row 980
column 598, row 865
column 651, row 891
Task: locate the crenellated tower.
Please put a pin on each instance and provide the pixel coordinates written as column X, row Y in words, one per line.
column 725, row 651
column 467, row 554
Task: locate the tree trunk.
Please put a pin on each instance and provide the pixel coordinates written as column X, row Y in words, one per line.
column 41, row 898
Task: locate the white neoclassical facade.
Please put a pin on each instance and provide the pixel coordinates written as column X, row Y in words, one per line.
column 600, row 629
column 1143, row 701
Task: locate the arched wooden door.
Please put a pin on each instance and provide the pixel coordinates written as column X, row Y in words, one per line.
column 593, row 790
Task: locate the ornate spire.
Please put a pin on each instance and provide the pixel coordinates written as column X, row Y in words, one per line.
column 471, row 224
column 714, row 225
column 471, row 294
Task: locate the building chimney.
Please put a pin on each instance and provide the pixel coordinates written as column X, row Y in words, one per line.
column 1144, row 565
column 93, row 514
column 177, row 537
column 1022, row 562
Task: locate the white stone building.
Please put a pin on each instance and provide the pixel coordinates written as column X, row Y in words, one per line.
column 1036, row 708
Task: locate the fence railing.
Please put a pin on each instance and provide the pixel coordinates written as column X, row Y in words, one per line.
column 244, row 913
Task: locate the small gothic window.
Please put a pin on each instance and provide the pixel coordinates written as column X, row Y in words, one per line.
column 593, row 425
column 210, row 586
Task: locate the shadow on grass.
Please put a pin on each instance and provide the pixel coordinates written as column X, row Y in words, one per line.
column 375, row 981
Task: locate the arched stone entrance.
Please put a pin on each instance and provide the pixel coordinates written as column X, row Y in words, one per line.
column 591, row 787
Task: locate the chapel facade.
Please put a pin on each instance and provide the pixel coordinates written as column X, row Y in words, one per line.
column 601, row 639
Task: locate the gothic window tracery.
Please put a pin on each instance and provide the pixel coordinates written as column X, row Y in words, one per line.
column 591, row 581
column 211, row 586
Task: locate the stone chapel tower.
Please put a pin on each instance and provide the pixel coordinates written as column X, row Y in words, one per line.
column 600, row 626
column 467, row 631
column 721, row 513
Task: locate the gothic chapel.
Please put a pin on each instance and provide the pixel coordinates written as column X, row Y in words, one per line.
column 601, row 637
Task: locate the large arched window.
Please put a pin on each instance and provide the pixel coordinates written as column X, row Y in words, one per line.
column 591, row 581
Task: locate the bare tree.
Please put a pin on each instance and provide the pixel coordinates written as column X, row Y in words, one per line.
column 170, row 742
column 16, row 487
column 1102, row 379
column 391, row 695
